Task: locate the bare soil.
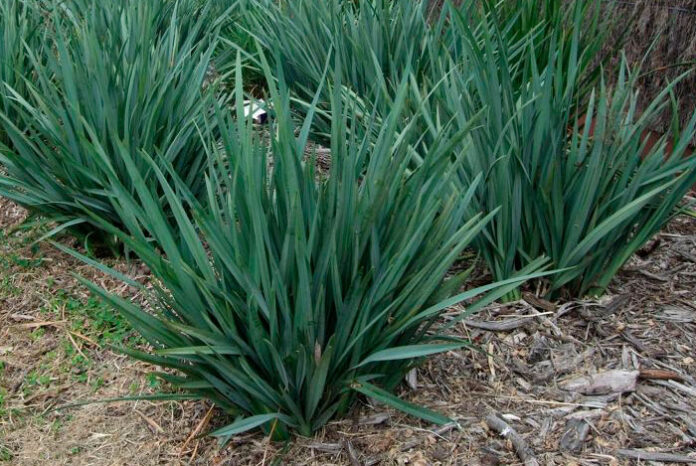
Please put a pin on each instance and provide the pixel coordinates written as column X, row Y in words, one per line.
column 52, row 354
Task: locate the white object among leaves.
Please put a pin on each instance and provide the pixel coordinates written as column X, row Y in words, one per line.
column 257, row 111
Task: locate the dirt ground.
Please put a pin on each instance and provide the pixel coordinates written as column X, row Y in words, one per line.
column 518, row 402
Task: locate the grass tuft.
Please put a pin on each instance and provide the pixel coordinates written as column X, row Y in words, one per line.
column 121, row 78
column 291, row 293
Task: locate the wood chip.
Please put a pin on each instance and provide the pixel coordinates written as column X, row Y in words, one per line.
column 656, row 456
column 614, row 381
column 538, row 303
column 574, row 435
column 21, row 317
column 501, row 326
column 325, row 447
column 412, row 379
column 678, row 314
column 586, row 414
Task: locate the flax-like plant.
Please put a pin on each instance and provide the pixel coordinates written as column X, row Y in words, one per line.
column 379, row 42
column 21, row 24
column 122, row 76
column 290, row 292
column 569, row 168
column 533, row 68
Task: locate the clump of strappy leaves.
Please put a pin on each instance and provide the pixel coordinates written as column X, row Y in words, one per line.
column 288, row 293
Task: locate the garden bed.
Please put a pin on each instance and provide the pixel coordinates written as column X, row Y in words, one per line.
column 54, row 348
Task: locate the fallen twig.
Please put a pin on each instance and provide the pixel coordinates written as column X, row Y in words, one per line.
column 197, row 430
column 634, row 341
column 659, row 374
column 677, row 386
column 352, row 453
column 685, row 255
column 523, row 450
column 156, row 428
column 652, row 276
column 32, row 325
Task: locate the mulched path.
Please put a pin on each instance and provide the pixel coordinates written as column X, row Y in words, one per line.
column 522, row 400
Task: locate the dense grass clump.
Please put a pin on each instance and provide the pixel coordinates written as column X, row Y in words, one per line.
column 281, row 291
column 121, row 77
column 375, row 43
column 379, row 42
column 561, row 153
column 21, row 24
column 567, row 165
column 292, row 291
